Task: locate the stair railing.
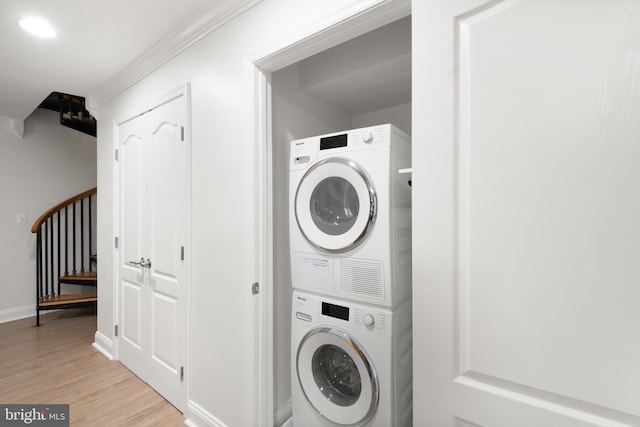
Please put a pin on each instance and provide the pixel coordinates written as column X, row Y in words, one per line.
column 65, row 240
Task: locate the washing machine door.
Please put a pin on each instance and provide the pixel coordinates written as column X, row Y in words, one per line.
column 335, row 205
column 337, row 377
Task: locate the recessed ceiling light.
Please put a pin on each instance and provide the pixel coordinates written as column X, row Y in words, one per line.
column 38, row 27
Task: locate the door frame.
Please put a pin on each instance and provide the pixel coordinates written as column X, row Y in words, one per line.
column 183, row 90
column 345, row 23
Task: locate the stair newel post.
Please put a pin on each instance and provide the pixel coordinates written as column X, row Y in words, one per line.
column 38, row 273
column 82, row 235
column 90, row 230
column 66, row 240
column 51, row 262
column 73, row 244
column 45, row 258
column 58, row 252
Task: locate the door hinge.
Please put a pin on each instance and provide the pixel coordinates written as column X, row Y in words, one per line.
column 116, row 154
column 181, row 133
column 116, row 242
column 181, row 253
column 181, row 373
column 115, row 331
column 255, row 288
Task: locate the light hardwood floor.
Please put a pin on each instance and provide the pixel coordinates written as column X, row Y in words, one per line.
column 56, row 363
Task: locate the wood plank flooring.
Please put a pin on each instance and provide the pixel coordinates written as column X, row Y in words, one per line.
column 56, row 363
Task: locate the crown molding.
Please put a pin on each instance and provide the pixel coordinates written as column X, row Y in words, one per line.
column 353, row 18
column 202, row 23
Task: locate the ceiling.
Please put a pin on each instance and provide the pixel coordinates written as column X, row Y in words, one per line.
column 366, row 73
column 95, row 40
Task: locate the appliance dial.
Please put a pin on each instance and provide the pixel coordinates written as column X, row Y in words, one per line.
column 367, row 136
column 368, row 320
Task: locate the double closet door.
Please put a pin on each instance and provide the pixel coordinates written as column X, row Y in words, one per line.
column 153, row 191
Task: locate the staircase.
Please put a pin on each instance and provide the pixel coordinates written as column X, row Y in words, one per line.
column 65, row 254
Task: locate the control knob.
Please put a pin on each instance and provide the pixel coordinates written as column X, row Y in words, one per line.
column 368, row 320
column 367, row 136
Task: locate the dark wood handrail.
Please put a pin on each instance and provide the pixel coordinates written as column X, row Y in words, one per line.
column 64, row 245
column 59, row 206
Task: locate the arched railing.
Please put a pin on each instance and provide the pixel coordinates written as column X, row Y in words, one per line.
column 65, row 253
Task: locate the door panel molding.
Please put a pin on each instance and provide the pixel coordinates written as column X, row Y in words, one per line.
column 525, row 279
column 518, row 394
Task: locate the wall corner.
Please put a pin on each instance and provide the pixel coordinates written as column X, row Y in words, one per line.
column 18, row 127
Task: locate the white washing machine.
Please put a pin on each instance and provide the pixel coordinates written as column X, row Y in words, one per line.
column 350, row 215
column 351, row 363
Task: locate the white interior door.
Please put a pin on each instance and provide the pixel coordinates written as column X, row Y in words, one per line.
column 132, row 211
column 154, row 188
column 167, row 191
column 526, row 203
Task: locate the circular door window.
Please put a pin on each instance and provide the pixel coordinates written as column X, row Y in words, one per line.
column 337, row 377
column 335, row 205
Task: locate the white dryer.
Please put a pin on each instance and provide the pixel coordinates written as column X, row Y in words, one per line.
column 351, row 363
column 350, row 215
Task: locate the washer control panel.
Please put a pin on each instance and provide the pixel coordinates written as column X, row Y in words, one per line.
column 311, row 308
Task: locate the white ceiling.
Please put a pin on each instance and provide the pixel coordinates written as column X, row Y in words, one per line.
column 95, row 40
column 367, row 73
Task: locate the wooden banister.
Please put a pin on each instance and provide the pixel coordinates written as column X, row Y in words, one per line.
column 59, row 206
column 65, row 236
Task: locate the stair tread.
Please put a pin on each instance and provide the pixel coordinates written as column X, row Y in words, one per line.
column 68, row 299
column 84, row 275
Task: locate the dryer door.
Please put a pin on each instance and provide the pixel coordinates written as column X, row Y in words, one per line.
column 337, row 377
column 335, row 205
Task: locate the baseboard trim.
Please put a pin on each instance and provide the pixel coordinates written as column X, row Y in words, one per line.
column 17, row 313
column 103, row 344
column 197, row 416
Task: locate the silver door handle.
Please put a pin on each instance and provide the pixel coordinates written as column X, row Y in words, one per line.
column 142, row 263
column 139, row 263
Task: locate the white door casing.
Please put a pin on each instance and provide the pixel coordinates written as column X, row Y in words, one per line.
column 526, row 162
column 154, row 232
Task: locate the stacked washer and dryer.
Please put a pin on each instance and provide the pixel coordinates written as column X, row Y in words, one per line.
column 350, row 238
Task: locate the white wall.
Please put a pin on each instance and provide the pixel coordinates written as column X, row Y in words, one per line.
column 399, row 115
column 220, row 350
column 49, row 164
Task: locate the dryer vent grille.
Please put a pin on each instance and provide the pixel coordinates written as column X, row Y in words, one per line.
column 362, row 278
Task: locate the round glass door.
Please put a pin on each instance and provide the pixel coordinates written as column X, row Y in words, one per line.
column 335, row 205
column 337, row 377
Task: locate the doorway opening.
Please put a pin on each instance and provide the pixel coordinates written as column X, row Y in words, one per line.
column 357, row 74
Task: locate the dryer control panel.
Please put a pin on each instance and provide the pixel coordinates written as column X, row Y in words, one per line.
column 307, row 150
